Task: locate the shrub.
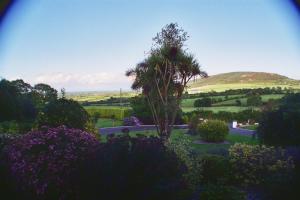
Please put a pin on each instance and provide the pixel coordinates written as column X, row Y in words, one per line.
column 193, row 124
column 5, row 139
column 254, row 100
column 14, row 127
column 213, row 131
column 181, row 145
column 215, row 170
column 280, row 128
column 64, row 112
column 131, row 121
column 204, row 102
column 41, row 162
column 221, row 192
column 131, row 168
column 252, row 164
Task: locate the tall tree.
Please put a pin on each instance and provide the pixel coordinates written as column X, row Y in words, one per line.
column 164, row 75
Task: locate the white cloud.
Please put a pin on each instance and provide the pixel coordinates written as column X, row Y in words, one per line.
column 84, row 81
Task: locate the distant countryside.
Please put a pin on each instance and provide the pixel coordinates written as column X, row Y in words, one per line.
column 149, row 100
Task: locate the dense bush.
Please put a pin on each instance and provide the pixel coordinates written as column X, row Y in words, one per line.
column 282, row 127
column 242, row 116
column 131, row 168
column 64, row 112
column 131, row 121
column 5, row 139
column 181, row 145
column 215, row 169
column 14, row 127
column 41, row 162
column 254, row 100
column 141, row 109
column 221, row 192
column 253, row 164
column 193, row 124
column 213, row 131
column 204, row 102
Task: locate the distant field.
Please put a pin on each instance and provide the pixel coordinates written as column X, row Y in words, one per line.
column 223, row 87
column 265, row 98
column 239, row 80
column 97, row 96
column 217, row 109
column 190, row 102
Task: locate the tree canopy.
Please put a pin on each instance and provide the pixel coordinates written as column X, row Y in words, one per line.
column 164, row 75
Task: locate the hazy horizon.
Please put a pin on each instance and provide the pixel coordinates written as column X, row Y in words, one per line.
column 89, row 46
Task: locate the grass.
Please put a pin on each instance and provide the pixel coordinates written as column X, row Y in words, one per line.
column 250, row 127
column 190, row 102
column 265, row 98
column 224, row 87
column 178, row 134
column 97, row 96
column 100, row 106
column 104, row 122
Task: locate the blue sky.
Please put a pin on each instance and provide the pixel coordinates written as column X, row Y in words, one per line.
column 89, row 44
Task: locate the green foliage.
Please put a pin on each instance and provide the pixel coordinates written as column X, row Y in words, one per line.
column 215, row 169
column 108, row 112
column 64, row 112
column 193, row 124
column 282, row 127
column 141, row 109
column 213, row 131
column 242, row 116
column 164, row 75
column 181, row 145
column 253, row 164
column 15, row 127
column 221, row 192
column 204, row 102
column 254, row 100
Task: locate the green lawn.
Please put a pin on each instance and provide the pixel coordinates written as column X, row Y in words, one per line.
column 199, row 148
column 104, row 107
column 250, row 127
column 104, row 122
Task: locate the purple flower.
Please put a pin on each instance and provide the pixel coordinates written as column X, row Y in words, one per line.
column 47, row 157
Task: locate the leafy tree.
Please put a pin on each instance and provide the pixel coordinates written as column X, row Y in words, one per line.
column 9, row 105
column 204, row 102
column 238, row 102
column 281, row 127
column 64, row 112
column 45, row 92
column 22, row 87
column 254, row 100
column 164, row 75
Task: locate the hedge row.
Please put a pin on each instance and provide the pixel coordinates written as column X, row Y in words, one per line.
column 242, row 116
column 117, row 113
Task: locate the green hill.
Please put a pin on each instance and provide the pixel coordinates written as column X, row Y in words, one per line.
column 238, row 80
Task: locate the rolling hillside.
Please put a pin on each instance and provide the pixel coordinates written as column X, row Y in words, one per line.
column 238, row 80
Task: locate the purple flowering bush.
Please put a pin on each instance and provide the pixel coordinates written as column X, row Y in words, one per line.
column 42, row 161
column 131, row 121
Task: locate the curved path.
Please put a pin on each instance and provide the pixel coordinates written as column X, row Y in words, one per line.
column 118, row 129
